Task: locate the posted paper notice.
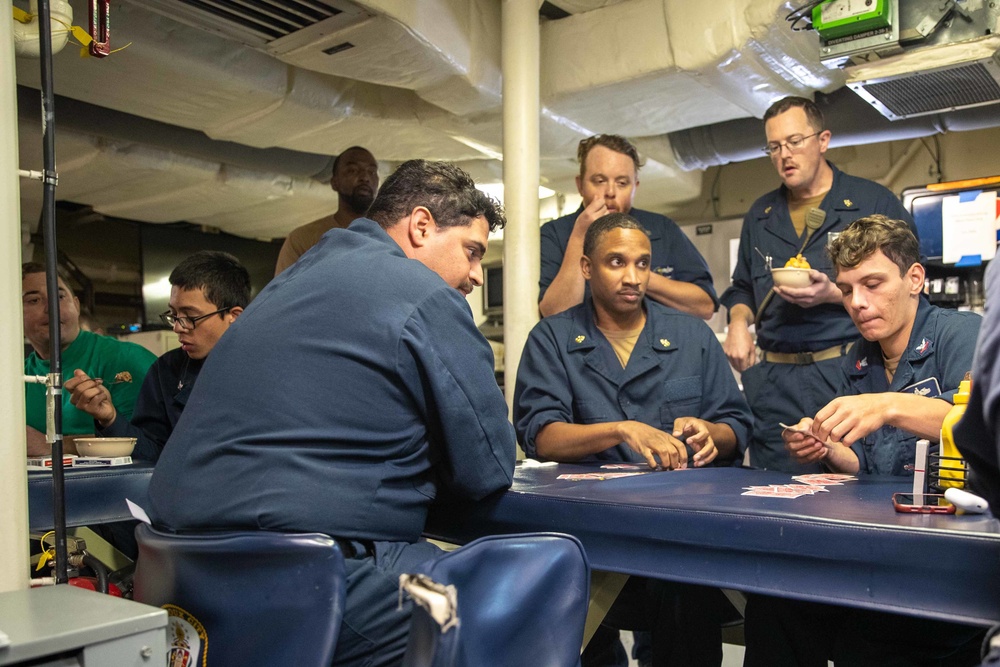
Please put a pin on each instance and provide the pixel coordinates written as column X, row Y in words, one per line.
column 969, row 226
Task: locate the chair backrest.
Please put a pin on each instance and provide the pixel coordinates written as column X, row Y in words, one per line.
column 522, row 600
column 244, row 598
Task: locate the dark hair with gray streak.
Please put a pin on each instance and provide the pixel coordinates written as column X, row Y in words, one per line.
column 446, row 191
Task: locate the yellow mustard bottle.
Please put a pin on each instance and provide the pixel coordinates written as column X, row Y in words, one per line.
column 952, row 463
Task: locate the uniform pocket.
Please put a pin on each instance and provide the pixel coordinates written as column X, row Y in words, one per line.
column 592, row 413
column 682, row 398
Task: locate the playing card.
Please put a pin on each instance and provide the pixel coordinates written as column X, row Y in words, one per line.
column 599, row 476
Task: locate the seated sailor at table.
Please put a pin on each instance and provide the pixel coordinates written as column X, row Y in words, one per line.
column 120, row 365
column 898, row 387
column 623, row 378
column 900, row 379
column 353, row 387
column 208, row 292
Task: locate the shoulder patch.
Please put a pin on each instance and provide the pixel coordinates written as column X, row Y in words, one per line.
column 924, row 347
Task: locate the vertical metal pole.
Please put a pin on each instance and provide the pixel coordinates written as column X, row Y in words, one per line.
column 52, row 286
column 520, row 65
column 14, row 508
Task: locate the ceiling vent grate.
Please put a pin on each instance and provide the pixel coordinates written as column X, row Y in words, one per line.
column 269, row 19
column 917, row 93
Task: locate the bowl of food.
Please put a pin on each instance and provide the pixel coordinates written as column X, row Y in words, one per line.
column 104, row 447
column 795, row 273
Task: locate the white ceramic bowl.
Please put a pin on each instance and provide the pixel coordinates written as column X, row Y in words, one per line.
column 789, row 277
column 105, row 446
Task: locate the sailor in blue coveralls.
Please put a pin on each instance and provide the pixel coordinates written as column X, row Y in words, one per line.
column 803, row 332
column 351, row 389
column 622, row 378
column 902, row 377
column 898, row 386
column 978, row 434
column 608, row 180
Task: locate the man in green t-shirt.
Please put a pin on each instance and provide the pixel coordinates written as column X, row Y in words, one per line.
column 120, row 364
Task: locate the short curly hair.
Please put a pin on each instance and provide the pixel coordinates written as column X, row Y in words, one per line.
column 875, row 232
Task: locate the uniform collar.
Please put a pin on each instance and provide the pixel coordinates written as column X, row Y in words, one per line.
column 920, row 346
column 584, row 335
column 836, row 204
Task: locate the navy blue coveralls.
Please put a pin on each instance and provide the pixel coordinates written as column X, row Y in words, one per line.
column 780, row 392
column 351, row 388
column 978, row 434
column 570, row 373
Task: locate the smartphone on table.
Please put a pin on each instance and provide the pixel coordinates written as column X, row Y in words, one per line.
column 933, row 503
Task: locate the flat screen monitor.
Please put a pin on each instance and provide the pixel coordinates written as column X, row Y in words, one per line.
column 493, row 291
column 925, row 205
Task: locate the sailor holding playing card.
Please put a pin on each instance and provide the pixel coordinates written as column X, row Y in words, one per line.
column 898, row 386
column 900, row 379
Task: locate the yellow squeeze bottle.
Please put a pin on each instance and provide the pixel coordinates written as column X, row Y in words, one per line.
column 952, row 464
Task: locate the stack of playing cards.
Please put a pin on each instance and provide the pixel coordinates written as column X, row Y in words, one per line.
column 45, row 462
column 102, row 461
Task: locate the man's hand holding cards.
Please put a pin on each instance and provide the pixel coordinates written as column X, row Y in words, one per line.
column 802, row 445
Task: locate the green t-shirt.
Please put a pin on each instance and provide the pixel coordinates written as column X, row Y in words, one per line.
column 98, row 356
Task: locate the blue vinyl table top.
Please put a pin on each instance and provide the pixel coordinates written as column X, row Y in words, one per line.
column 846, row 545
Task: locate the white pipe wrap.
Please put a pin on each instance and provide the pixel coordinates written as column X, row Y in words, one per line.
column 26, row 42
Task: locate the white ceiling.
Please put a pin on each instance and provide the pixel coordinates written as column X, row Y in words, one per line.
column 422, row 79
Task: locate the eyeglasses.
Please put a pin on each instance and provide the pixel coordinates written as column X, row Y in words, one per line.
column 793, row 144
column 188, row 323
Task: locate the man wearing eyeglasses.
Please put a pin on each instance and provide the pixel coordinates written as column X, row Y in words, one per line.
column 208, row 292
column 98, row 356
column 803, row 332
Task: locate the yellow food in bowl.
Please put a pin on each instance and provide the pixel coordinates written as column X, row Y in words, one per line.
column 797, row 262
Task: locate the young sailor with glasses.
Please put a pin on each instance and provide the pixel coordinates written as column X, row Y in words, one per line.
column 208, row 292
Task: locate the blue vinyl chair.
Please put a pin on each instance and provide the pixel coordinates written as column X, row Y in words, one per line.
column 522, row 600
column 244, row 598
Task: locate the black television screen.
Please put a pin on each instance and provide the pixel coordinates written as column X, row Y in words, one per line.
column 164, row 246
column 925, row 204
column 493, row 290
